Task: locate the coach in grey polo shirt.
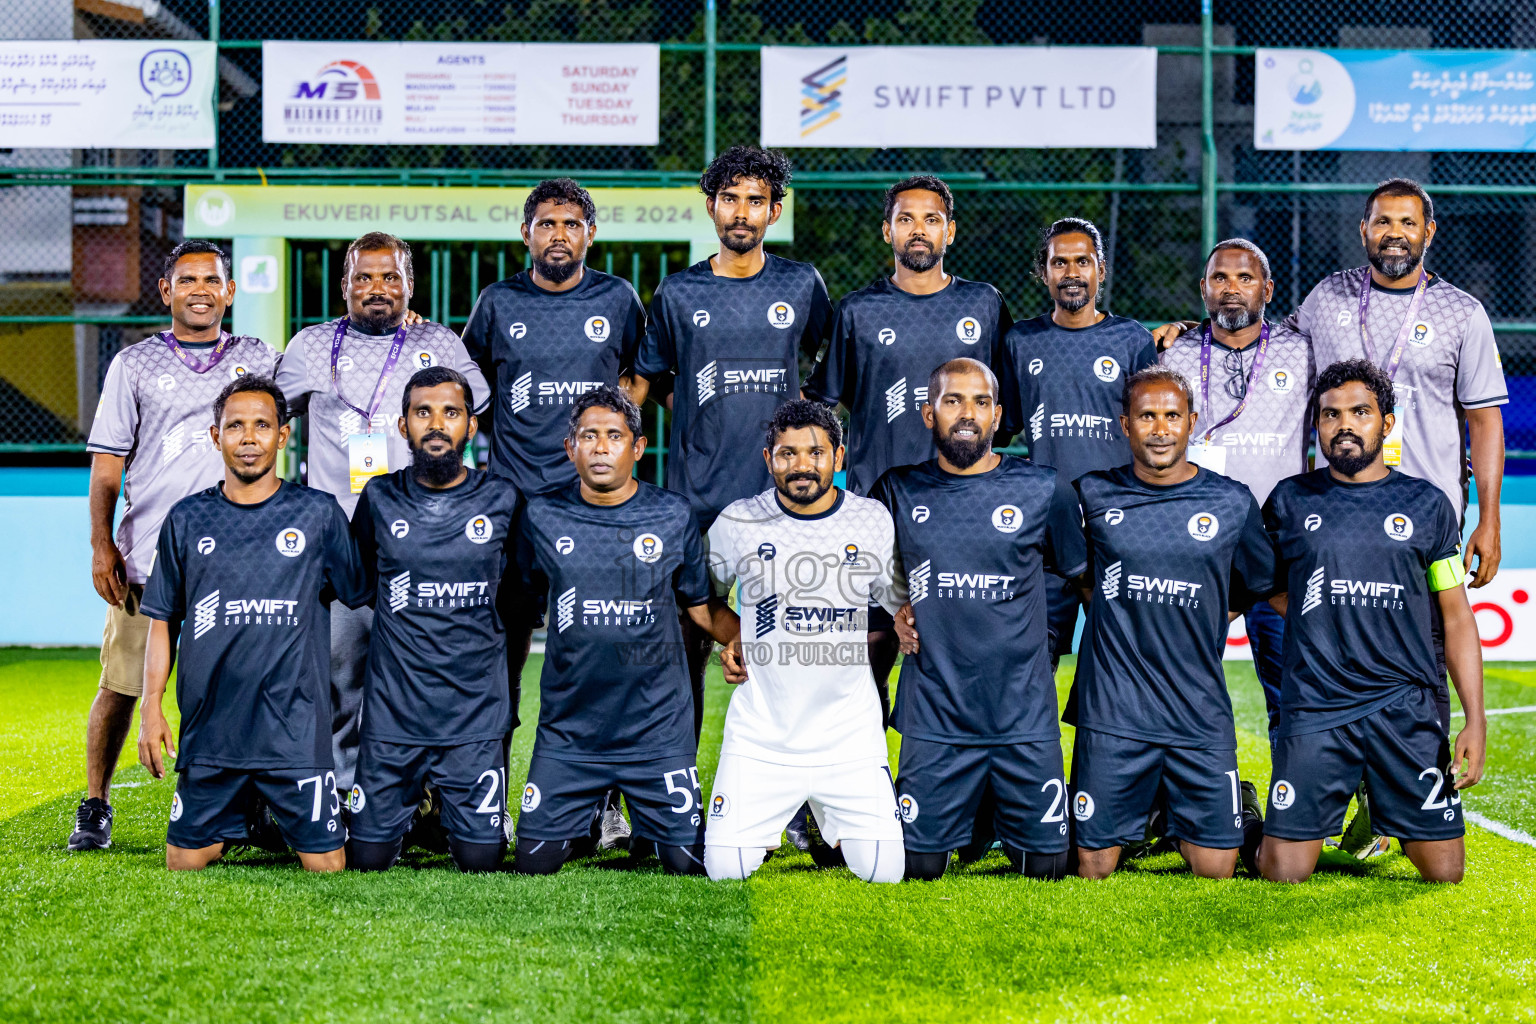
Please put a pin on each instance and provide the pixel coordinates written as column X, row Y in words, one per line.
column 349, row 376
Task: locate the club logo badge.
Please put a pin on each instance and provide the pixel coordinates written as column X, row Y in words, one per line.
column 531, row 797
column 1007, row 518
column 968, row 330
column 850, row 554
column 1398, row 526
column 719, row 806
column 423, row 359
column 781, row 315
column 478, row 529
column 1282, row 381
column 290, row 542
column 1422, row 334
column 356, row 801
column 176, row 807
column 1082, row 806
column 648, row 547
column 596, row 328
column 1282, row 796
column 1106, row 369
column 907, row 807
column 1203, row 526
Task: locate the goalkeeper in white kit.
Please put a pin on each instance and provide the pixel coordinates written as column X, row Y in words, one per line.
column 810, row 558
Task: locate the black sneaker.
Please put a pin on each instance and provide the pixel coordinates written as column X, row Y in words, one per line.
column 93, row 825
column 261, row 831
column 799, row 828
column 822, row 854
column 1252, row 822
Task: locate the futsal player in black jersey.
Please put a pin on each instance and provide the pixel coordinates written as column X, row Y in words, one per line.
column 434, row 539
column 1367, row 550
column 731, row 330
column 244, row 575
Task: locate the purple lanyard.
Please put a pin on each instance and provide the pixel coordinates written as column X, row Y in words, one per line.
column 186, row 357
column 1396, row 359
column 1205, row 376
column 389, row 366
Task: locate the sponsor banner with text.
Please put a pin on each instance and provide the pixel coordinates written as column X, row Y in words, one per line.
column 592, row 94
column 107, row 94
column 1434, row 101
column 994, row 97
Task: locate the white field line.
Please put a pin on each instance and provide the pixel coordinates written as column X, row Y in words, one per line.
column 1500, row 711
column 1498, row 828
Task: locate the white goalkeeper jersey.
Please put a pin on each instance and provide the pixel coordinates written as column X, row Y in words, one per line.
column 806, row 584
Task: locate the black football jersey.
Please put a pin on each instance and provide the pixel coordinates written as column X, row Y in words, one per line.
column 734, row 345
column 615, row 680
column 540, row 351
column 1168, row 563
column 1356, row 560
column 437, row 668
column 248, row 590
column 885, row 343
column 1061, row 389
column 971, row 553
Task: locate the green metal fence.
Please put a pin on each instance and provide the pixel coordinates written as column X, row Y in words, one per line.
column 1160, row 208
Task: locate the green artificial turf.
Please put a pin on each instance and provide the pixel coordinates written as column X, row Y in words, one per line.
column 115, row 937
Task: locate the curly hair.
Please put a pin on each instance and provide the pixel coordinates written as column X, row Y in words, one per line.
column 739, row 162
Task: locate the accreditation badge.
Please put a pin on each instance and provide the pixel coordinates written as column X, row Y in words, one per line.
column 367, row 456
column 1392, row 447
column 1208, row 456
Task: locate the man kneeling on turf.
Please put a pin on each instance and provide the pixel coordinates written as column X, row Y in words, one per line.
column 434, row 540
column 256, row 562
column 1366, row 549
column 619, row 557
column 1172, row 547
column 805, row 726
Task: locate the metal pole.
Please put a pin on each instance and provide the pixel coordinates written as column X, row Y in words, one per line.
column 1207, row 135
column 213, row 35
column 709, row 80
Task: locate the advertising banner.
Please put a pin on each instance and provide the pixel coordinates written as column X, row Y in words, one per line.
column 107, row 94
column 945, row 96
column 593, row 94
column 1437, row 101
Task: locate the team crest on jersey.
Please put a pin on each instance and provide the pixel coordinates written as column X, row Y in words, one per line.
column 648, row 547
column 166, row 382
column 176, row 807
column 701, row 318
column 1203, row 526
column 205, row 546
column 719, row 806
column 1035, row 366
column 345, row 363
column 565, row 545
column 1282, row 796
column 1007, row 518
column 478, row 529
column 1082, row 806
column 906, row 807
column 1282, row 381
column 1421, row 333
column 850, row 553
column 1312, row 522
column 356, row 801
column 781, row 315
column 968, row 330
column 290, row 542
column 887, row 336
column 919, row 513
column 596, row 328
column 399, row 527
column 422, row 359
column 531, row 797
column 517, row 330
column 1106, row 369
column 766, row 551
column 1398, row 526
column 1114, row 517
column 238, row 370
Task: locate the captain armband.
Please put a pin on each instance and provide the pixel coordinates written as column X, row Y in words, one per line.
column 1446, row 573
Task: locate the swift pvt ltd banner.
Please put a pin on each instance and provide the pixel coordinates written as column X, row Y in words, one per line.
column 972, row 96
column 594, row 94
column 106, row 94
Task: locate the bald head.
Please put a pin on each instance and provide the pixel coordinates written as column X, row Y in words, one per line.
column 962, row 412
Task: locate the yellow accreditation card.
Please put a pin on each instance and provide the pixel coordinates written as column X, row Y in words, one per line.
column 1392, row 447
column 367, row 456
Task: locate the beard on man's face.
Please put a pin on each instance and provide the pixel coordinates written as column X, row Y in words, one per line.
column 738, row 243
column 378, row 315
column 920, row 258
column 1396, row 264
column 559, row 272
column 1351, row 463
column 1233, row 316
column 818, row 488
column 1072, row 294
column 437, row 469
column 960, row 451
